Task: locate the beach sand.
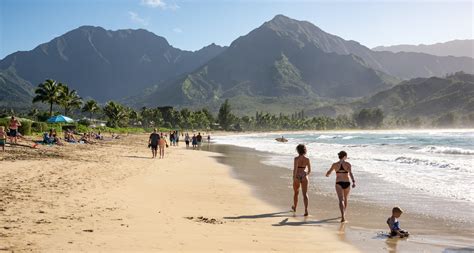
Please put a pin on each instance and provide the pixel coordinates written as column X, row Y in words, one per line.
column 112, row 196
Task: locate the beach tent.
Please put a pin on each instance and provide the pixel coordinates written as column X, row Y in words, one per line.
column 60, row 119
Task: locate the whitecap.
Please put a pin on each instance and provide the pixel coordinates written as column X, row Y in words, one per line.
column 447, row 150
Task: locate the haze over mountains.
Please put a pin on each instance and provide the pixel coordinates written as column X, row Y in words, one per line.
column 454, row 48
column 282, row 61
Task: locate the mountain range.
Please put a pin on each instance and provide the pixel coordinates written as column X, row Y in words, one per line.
column 454, row 48
column 418, row 97
column 282, row 64
column 105, row 64
column 285, row 57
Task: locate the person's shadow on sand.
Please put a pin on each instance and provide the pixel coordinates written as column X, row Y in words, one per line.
column 260, row 216
column 285, row 222
column 138, row 157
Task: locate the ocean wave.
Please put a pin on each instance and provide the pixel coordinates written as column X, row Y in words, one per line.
column 323, row 136
column 447, row 150
column 349, row 137
column 394, row 138
column 418, row 161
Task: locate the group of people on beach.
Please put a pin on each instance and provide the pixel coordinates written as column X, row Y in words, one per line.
column 50, row 137
column 13, row 132
column 344, row 181
column 157, row 141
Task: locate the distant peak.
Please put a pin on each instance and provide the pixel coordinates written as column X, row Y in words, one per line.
column 281, row 17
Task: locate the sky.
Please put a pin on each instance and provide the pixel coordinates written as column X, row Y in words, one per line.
column 193, row 24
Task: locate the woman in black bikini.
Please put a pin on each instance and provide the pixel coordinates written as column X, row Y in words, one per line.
column 300, row 177
column 343, row 170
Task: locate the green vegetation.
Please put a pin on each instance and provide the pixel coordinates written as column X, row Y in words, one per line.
column 48, row 92
column 69, row 99
column 117, row 114
column 420, row 102
column 369, row 118
column 225, row 116
column 91, row 107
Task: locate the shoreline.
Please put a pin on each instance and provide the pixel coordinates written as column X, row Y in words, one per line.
column 363, row 232
column 113, row 197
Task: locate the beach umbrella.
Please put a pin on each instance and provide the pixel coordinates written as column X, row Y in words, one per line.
column 60, row 119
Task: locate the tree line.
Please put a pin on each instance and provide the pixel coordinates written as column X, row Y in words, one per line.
column 52, row 92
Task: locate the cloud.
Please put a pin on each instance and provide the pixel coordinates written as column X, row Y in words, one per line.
column 177, row 30
column 160, row 4
column 137, row 19
column 154, row 3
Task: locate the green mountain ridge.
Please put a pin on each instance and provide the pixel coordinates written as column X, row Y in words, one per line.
column 106, row 64
column 14, row 89
column 418, row 97
column 271, row 63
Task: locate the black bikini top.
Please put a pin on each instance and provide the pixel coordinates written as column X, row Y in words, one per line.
column 341, row 170
column 300, row 167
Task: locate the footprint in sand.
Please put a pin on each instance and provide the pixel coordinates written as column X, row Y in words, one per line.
column 204, row 220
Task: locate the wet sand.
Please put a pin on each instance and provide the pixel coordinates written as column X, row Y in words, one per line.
column 366, row 221
column 112, row 197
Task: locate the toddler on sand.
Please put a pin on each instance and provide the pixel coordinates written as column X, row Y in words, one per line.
column 394, row 224
column 3, row 137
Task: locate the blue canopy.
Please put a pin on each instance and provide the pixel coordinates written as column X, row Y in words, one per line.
column 60, row 119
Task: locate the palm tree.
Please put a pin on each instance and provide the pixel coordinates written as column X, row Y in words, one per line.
column 116, row 113
column 48, row 92
column 91, row 107
column 34, row 113
column 69, row 99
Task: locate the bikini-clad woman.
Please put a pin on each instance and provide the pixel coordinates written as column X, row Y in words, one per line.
column 343, row 170
column 300, row 177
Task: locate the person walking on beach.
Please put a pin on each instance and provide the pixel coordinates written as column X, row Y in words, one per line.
column 13, row 126
column 153, row 142
column 186, row 140
column 194, row 141
column 162, row 144
column 171, row 138
column 199, row 140
column 343, row 170
column 300, row 177
column 176, row 137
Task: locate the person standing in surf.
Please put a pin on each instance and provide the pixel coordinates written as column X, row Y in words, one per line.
column 343, row 171
column 300, row 177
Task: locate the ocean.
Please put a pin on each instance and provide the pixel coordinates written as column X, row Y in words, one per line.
column 428, row 172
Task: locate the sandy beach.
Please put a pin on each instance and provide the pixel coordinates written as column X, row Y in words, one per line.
column 111, row 197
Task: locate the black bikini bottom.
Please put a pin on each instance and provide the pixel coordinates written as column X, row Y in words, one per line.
column 344, row 185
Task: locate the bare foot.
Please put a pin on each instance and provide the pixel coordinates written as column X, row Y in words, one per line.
column 306, row 213
column 293, row 208
column 343, row 220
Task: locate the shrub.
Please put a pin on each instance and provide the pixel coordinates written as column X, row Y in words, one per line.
column 39, row 127
column 4, row 122
column 25, row 128
column 55, row 126
column 82, row 128
column 84, row 122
